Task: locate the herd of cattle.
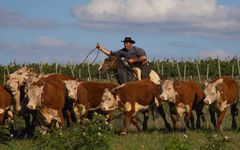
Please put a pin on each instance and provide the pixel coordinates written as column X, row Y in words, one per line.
column 54, row 100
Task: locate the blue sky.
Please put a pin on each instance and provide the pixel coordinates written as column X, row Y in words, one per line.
column 63, row 31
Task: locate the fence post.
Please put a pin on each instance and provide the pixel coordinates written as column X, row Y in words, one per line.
column 158, row 67
column 80, row 73
column 219, row 68
column 199, row 76
column 184, row 71
column 4, row 77
column 107, row 76
column 232, row 70
column 207, row 71
column 162, row 69
column 72, row 71
column 89, row 73
column 41, row 67
column 238, row 66
column 7, row 70
column 179, row 73
column 56, row 68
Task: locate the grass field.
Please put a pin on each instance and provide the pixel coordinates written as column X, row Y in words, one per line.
column 155, row 138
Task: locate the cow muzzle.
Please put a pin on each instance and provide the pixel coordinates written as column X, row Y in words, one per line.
column 207, row 101
column 30, row 106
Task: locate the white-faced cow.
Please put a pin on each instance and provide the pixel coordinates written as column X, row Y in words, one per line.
column 87, row 97
column 48, row 98
column 131, row 97
column 185, row 97
column 221, row 93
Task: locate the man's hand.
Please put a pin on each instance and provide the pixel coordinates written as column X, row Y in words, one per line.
column 131, row 60
column 104, row 50
column 98, row 46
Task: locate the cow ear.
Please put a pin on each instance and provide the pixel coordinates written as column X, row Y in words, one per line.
column 177, row 83
column 206, row 82
column 106, row 90
column 218, row 87
column 114, row 91
column 218, row 84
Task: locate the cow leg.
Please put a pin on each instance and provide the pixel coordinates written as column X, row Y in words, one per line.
column 192, row 120
column 220, row 119
column 135, row 123
column 174, row 116
column 212, row 116
column 127, row 119
column 234, row 113
column 163, row 115
column 186, row 119
column 200, row 115
column 145, row 120
column 62, row 118
column 90, row 115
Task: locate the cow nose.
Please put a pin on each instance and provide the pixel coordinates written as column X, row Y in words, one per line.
column 103, row 108
column 161, row 97
column 30, row 107
column 206, row 101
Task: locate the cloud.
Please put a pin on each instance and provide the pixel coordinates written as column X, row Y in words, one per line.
column 47, row 42
column 15, row 19
column 45, row 49
column 204, row 17
column 216, row 53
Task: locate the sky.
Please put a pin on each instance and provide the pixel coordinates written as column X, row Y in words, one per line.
column 66, row 31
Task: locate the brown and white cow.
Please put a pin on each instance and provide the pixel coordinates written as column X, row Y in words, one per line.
column 87, row 96
column 16, row 83
column 184, row 96
column 5, row 102
column 131, row 97
column 221, row 93
column 48, row 98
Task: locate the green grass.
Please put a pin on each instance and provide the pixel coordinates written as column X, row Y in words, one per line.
column 155, row 138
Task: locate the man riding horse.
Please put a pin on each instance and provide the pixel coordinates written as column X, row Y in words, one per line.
column 135, row 56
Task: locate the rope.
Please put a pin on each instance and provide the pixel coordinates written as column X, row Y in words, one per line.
column 88, row 55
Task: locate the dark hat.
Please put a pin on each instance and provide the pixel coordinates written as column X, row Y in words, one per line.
column 128, row 39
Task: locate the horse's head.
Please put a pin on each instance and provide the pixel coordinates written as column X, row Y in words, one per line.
column 109, row 64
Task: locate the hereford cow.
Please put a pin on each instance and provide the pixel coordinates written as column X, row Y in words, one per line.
column 48, row 98
column 16, row 83
column 131, row 97
column 87, row 96
column 221, row 93
column 5, row 102
column 184, row 96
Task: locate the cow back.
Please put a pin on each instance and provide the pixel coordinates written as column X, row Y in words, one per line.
column 185, row 92
column 141, row 91
column 91, row 92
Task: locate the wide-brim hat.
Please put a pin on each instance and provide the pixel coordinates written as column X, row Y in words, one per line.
column 128, row 39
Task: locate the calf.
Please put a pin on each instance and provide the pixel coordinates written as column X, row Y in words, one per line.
column 5, row 102
column 221, row 93
column 131, row 97
column 88, row 96
column 184, row 97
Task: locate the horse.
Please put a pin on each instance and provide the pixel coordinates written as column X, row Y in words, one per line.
column 123, row 73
